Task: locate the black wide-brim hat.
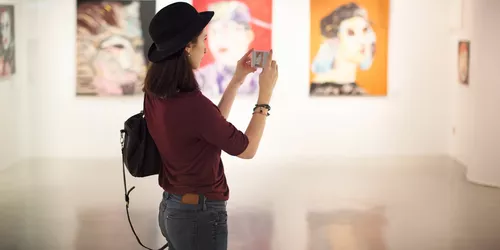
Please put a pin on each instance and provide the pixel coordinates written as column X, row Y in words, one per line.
column 173, row 27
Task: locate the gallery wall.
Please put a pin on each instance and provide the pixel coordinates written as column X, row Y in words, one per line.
column 475, row 105
column 409, row 120
column 9, row 151
column 13, row 98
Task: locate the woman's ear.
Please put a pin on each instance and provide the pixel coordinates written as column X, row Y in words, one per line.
column 188, row 48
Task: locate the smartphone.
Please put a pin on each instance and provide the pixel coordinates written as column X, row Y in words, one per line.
column 259, row 57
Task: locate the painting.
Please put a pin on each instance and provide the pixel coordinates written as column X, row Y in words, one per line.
column 349, row 229
column 237, row 26
column 463, row 61
column 250, row 228
column 348, row 48
column 112, row 43
column 8, row 49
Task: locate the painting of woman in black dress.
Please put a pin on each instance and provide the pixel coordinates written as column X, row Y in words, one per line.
column 348, row 48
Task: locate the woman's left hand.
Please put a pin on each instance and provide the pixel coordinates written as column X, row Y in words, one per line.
column 243, row 67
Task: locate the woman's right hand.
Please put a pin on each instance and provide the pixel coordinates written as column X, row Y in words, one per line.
column 268, row 76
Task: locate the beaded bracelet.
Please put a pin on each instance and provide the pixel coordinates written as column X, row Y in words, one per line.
column 260, row 112
column 266, row 106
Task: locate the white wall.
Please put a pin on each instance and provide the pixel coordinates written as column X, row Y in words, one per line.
column 476, row 116
column 460, row 105
column 13, row 99
column 409, row 121
column 9, row 151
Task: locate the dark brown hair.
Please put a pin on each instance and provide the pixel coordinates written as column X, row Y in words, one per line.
column 330, row 24
column 173, row 75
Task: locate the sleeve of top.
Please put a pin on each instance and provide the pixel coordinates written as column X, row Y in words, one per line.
column 216, row 130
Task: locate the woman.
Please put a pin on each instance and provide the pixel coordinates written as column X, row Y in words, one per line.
column 190, row 131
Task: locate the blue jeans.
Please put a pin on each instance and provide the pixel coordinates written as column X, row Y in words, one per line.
column 193, row 227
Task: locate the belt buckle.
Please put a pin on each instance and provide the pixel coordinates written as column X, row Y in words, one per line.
column 192, row 199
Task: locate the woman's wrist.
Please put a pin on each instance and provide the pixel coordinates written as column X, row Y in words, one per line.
column 234, row 84
column 264, row 98
column 232, row 88
column 236, row 81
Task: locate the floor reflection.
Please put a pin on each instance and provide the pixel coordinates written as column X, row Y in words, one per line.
column 347, row 229
column 402, row 204
column 250, row 229
column 98, row 228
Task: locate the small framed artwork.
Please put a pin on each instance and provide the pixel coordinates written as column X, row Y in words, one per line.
column 7, row 42
column 463, row 61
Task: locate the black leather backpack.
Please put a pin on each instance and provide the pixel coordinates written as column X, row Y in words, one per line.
column 140, row 156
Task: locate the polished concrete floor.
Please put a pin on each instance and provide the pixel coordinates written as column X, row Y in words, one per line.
column 419, row 203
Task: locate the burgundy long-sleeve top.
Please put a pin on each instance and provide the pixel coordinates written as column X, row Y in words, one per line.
column 190, row 133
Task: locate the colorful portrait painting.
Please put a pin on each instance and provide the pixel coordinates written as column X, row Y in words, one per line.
column 348, row 229
column 237, row 26
column 463, row 61
column 349, row 48
column 112, row 39
column 8, row 49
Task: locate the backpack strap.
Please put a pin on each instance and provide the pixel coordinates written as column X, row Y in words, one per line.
column 144, row 103
column 127, row 200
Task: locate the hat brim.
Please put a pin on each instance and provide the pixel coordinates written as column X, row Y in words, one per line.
column 177, row 43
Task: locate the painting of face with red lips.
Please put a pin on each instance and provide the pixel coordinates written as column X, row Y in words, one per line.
column 7, row 48
column 349, row 48
column 111, row 41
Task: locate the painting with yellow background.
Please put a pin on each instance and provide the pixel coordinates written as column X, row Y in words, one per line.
column 349, row 47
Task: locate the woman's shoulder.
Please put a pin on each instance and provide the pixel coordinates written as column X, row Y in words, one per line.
column 193, row 102
column 204, row 104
